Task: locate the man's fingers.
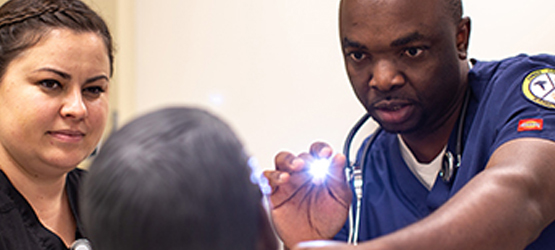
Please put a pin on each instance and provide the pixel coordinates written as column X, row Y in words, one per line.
column 306, row 157
column 320, row 150
column 276, row 178
column 338, row 165
column 287, row 162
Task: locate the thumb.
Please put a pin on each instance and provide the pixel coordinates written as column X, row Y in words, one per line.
column 337, row 168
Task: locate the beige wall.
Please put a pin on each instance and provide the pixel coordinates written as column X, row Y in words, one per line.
column 504, row 28
column 273, row 69
column 120, row 15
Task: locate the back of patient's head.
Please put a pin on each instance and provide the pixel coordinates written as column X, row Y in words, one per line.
column 173, row 179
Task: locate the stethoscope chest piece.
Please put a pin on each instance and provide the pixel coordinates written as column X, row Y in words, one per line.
column 448, row 167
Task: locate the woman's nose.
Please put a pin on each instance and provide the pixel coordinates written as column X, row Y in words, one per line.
column 73, row 105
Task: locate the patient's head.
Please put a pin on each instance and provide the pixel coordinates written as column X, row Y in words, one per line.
column 176, row 178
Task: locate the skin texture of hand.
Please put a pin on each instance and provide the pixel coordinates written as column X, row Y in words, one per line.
column 305, row 208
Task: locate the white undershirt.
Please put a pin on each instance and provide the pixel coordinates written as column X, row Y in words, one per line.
column 425, row 172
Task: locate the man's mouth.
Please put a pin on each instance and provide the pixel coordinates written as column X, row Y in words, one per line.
column 393, row 111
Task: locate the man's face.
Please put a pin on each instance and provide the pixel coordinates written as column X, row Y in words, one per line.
column 403, row 60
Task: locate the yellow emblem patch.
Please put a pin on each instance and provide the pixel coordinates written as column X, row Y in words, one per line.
column 539, row 87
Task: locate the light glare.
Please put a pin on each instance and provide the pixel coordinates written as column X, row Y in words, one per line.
column 319, row 168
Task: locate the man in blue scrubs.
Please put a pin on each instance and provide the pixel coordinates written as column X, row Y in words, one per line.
column 407, row 62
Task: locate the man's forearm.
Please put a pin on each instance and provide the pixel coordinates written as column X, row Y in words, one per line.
column 504, row 207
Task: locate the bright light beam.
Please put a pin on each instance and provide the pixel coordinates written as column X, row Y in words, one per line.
column 319, row 168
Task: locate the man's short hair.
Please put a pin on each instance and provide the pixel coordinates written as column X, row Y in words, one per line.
column 455, row 8
column 177, row 178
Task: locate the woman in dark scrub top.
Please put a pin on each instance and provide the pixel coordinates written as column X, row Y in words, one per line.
column 55, row 68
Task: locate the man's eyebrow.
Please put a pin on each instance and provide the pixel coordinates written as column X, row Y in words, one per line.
column 348, row 43
column 415, row 36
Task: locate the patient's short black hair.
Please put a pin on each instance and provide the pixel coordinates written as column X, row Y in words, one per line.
column 177, row 178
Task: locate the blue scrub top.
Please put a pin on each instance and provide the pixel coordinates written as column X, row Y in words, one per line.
column 509, row 99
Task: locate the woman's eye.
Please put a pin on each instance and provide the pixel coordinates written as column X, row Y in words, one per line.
column 357, row 56
column 94, row 90
column 413, row 52
column 50, row 84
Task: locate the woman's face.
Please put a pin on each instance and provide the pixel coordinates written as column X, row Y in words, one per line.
column 54, row 102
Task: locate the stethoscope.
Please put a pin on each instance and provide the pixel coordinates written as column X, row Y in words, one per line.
column 81, row 244
column 354, row 173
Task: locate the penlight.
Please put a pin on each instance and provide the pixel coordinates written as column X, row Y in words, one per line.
column 319, row 168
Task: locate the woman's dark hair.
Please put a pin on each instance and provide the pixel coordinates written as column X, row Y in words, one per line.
column 176, row 178
column 23, row 23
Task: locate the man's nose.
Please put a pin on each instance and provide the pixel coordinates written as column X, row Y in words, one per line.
column 386, row 77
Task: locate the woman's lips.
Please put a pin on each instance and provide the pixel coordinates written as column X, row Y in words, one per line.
column 69, row 136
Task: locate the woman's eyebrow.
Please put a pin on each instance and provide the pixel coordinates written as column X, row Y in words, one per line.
column 55, row 71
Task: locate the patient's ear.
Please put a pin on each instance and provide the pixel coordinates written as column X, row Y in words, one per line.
column 267, row 239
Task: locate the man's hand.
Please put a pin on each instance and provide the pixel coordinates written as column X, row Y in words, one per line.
column 305, row 208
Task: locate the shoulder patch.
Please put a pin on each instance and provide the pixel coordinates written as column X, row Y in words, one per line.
column 530, row 125
column 539, row 87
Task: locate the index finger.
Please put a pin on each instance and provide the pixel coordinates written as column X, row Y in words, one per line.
column 321, row 150
column 287, row 162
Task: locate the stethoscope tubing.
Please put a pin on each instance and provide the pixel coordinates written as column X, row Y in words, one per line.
column 357, row 179
column 354, row 173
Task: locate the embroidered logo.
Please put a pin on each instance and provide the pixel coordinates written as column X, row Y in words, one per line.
column 530, row 125
column 539, row 87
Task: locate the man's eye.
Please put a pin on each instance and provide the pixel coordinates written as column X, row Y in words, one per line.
column 50, row 84
column 413, row 52
column 357, row 56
